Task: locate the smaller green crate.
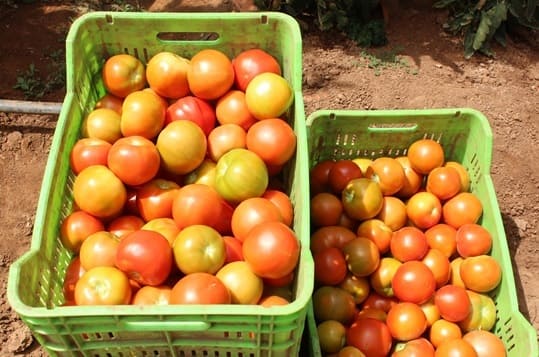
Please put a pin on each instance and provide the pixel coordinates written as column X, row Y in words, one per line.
column 466, row 137
column 36, row 279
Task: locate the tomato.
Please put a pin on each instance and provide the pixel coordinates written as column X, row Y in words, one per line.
column 319, row 177
column 87, row 152
column 145, row 256
column 443, row 330
column 371, row 336
column 333, row 303
column 155, row 198
column 362, row 199
column 463, row 208
column 200, row 288
column 393, row 213
column 240, row 174
column 102, row 123
column 481, row 273
column 211, row 74
column 340, row 173
column 372, row 313
column 425, row 155
column 362, row 256
column 439, row 264
column 182, row 146
column 418, row 347
column 199, row 248
column 444, row 182
column 231, row 108
column 456, row 347
column 485, row 343
column 359, row 288
column 453, row 303
column 431, row 311
column 196, row 204
column 331, row 336
column 272, row 300
column 283, row 203
column 326, row 209
column 388, row 173
column 330, row 236
column 194, row 109
column 251, row 212
column 473, row 239
column 166, row 226
column 203, row 174
column 413, row 282
column 455, row 278
column 377, row 301
column 123, row 74
column 134, row 159
column 463, row 174
column 268, row 95
column 273, row 140
column 350, row 351
column 233, row 249
column 380, row 279
column 152, row 295
column 271, row 249
column 103, row 286
column 143, row 114
column 166, row 73
column 244, row 285
column 76, row 227
column 409, row 243
column 110, row 101
column 99, row 192
column 377, row 231
column 329, row 266
column 406, row 321
column 224, row 138
column 483, row 314
column 424, row 209
column 442, row 236
column 412, row 179
column 249, row 63
column 99, row 249
column 73, row 273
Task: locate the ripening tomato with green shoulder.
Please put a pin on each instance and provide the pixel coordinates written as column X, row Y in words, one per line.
column 166, row 226
column 104, row 285
column 333, row 303
column 245, row 286
column 371, row 336
column 102, row 123
column 199, row 248
column 268, row 95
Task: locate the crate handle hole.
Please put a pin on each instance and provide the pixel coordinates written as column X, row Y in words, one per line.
column 393, row 127
column 187, row 36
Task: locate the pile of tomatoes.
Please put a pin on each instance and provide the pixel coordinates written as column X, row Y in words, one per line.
column 178, row 192
column 402, row 264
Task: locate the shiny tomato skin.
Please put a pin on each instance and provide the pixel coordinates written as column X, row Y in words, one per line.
column 326, row 209
column 440, row 266
column 99, row 249
column 210, row 74
column 371, row 336
column 103, row 286
column 110, row 101
column 453, row 303
column 143, row 114
column 485, row 343
column 409, row 243
column 406, row 321
column 329, row 266
column 330, row 236
column 444, row 182
column 483, row 314
column 455, row 347
column 268, row 95
column 194, row 109
column 102, row 123
column 377, row 231
column 388, row 173
column 251, row 62
column 196, row 204
column 425, row 155
column 362, row 198
column 73, row 273
column 87, row 152
column 123, row 74
column 245, row 286
column 134, row 159
column 200, row 288
column 380, row 279
column 166, row 226
column 319, row 177
column 166, row 74
column 231, row 108
column 271, row 249
column 481, row 273
column 251, row 212
column 443, row 330
column 463, row 208
column 273, row 140
column 234, row 251
column 473, row 239
column 362, row 256
column 341, row 172
column 224, row 138
column 76, row 227
column 377, row 301
column 155, row 198
column 145, row 256
column 359, row 288
column 442, row 236
column 424, row 210
column 124, row 224
column 413, row 282
column 283, row 203
column 152, row 295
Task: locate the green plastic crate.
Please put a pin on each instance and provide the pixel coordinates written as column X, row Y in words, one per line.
column 467, row 138
column 35, row 279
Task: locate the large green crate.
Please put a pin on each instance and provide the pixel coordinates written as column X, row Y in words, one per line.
column 35, row 279
column 467, row 138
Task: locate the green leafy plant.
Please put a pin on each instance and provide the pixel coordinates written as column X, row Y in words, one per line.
column 35, row 86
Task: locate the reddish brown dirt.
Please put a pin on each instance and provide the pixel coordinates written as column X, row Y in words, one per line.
column 432, row 74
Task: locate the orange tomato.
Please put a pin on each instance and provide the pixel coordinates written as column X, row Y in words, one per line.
column 439, row 264
column 143, row 113
column 87, row 152
column 455, row 347
column 425, row 155
column 196, row 204
column 463, row 174
column 76, row 227
column 123, row 74
column 473, row 239
column 442, row 236
column 224, row 138
column 463, row 208
column 155, row 198
column 110, row 101
column 124, row 224
column 273, row 140
column 210, row 75
column 166, row 73
column 424, row 209
column 443, row 330
column 152, row 295
column 231, row 108
column 102, row 123
column 283, row 203
column 388, row 173
column 481, row 273
column 412, row 179
column 377, row 231
column 251, row 212
column 444, row 182
column 393, row 213
column 406, row 321
column 98, row 250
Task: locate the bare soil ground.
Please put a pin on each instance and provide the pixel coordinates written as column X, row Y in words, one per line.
column 431, row 72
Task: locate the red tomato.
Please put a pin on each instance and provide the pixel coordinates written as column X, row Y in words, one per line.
column 196, row 204
column 268, row 95
column 473, row 239
column 340, row 173
column 199, row 248
column 371, row 336
column 251, row 212
column 453, row 303
column 166, row 73
column 326, row 209
column 145, row 256
column 211, row 74
column 413, row 282
column 273, row 140
column 123, row 74
column 224, row 138
column 99, row 249
column 152, row 295
column 110, row 101
column 233, row 249
column 155, row 198
column 76, row 227
column 319, row 177
column 73, row 273
column 406, row 321
column 99, row 192
column 330, row 236
column 377, row 301
column 143, row 114
column 329, row 266
column 200, row 288
column 193, row 109
column 409, row 243
column 284, row 281
column 122, row 225
column 283, row 203
column 102, row 123
column 251, row 62
column 87, row 152
column 271, row 249
column 244, row 285
column 103, row 286
column 134, row 159
column 231, row 108
column 424, row 209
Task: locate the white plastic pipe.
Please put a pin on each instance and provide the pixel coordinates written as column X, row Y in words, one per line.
column 30, row 107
